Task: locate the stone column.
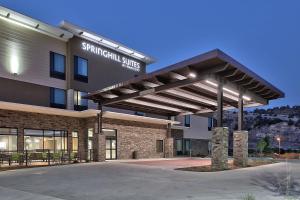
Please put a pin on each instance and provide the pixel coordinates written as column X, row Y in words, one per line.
column 240, row 148
column 169, row 147
column 99, row 142
column 20, row 140
column 219, row 148
column 169, row 143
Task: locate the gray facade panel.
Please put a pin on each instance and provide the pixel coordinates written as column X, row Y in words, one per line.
column 27, row 53
column 102, row 72
column 25, row 93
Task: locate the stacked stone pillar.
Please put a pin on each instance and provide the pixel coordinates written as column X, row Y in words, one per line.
column 240, row 148
column 99, row 139
column 219, row 148
column 169, row 144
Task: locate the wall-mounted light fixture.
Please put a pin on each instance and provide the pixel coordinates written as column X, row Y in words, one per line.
column 14, row 65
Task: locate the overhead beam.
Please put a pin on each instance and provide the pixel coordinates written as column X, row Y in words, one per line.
column 248, row 93
column 156, row 89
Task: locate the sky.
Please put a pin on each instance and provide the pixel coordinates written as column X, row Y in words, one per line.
column 262, row 35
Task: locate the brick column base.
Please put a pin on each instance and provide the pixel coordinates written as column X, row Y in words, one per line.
column 169, row 147
column 240, row 148
column 99, row 148
column 219, row 148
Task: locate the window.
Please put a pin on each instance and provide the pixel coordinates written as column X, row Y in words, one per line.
column 43, row 140
column 211, row 123
column 159, row 146
column 79, row 102
column 57, row 65
column 57, row 98
column 80, row 69
column 179, row 145
column 75, row 141
column 187, row 146
column 187, row 121
column 139, row 113
column 8, row 139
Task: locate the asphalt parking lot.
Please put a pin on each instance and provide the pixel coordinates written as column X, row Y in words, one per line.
column 116, row 180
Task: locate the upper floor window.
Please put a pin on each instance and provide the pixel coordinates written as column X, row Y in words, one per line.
column 187, row 121
column 57, row 66
column 57, row 98
column 79, row 102
column 80, row 69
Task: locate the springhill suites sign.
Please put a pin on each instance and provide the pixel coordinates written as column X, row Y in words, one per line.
column 124, row 61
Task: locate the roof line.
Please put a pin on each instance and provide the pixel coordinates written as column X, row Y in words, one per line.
column 99, row 39
column 215, row 53
column 34, row 24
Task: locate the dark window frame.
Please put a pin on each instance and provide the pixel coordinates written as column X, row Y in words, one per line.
column 57, row 105
column 159, row 146
column 78, row 107
column 187, row 120
column 11, row 134
column 53, row 73
column 64, row 135
column 77, row 76
column 77, row 141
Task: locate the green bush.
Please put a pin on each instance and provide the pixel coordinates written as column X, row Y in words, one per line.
column 56, row 156
column 44, row 156
column 248, row 197
column 15, row 157
column 261, row 145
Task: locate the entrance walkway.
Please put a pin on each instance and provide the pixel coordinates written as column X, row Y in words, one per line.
column 122, row 181
column 172, row 163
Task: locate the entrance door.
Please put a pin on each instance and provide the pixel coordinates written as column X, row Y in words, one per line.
column 111, row 144
column 111, row 148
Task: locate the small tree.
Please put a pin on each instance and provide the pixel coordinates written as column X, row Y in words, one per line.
column 261, row 145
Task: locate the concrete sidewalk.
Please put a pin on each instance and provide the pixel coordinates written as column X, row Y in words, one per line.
column 119, row 181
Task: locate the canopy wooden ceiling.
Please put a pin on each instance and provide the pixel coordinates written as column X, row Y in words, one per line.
column 190, row 87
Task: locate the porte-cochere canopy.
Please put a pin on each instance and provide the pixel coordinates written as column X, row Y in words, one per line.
column 190, row 87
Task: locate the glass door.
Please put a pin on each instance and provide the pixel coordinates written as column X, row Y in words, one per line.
column 111, row 144
column 111, row 149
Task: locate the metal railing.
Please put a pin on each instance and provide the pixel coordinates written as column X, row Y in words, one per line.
column 41, row 158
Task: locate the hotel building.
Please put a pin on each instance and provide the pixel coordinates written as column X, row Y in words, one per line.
column 58, row 82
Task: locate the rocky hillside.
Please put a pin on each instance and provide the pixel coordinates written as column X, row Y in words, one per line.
column 283, row 122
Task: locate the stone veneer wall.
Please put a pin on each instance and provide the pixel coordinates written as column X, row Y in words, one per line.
column 176, row 134
column 219, row 142
column 240, row 148
column 134, row 136
column 27, row 120
column 131, row 135
column 199, row 147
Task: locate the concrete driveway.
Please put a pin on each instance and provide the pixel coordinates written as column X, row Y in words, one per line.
column 114, row 180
